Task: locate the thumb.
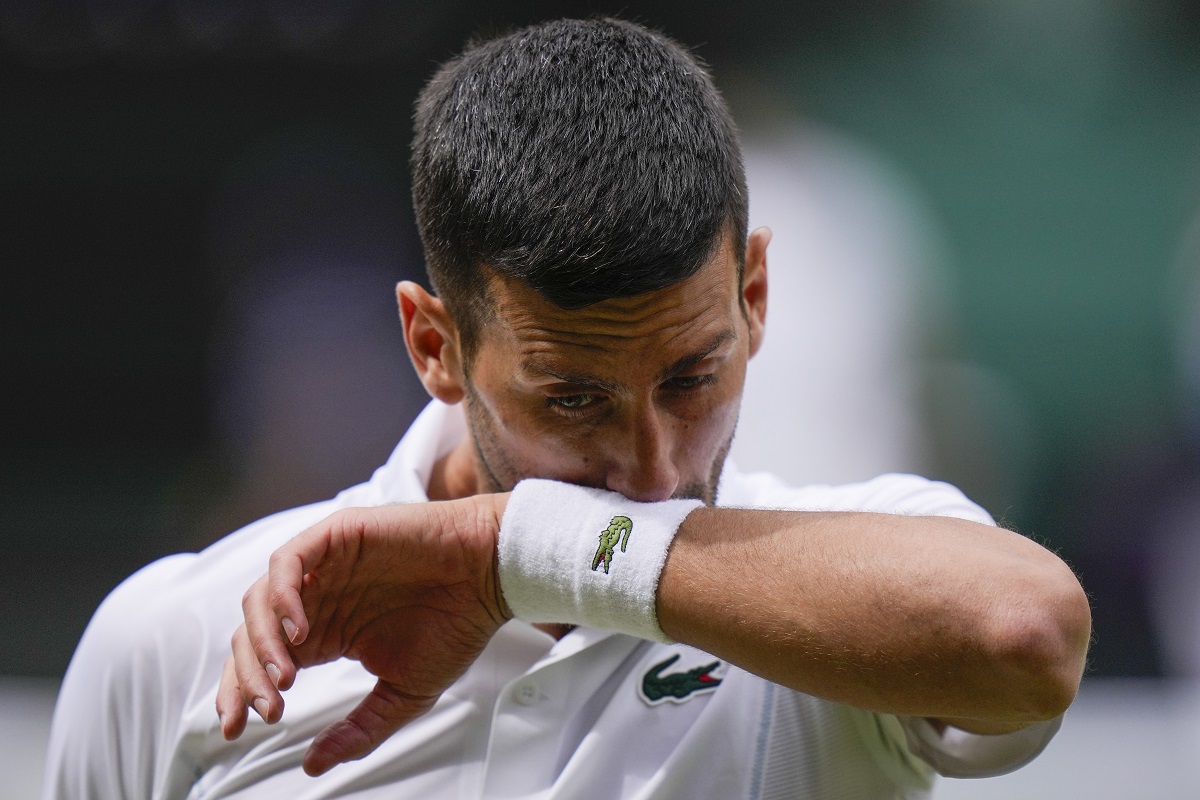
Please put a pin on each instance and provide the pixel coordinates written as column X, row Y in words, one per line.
column 380, row 714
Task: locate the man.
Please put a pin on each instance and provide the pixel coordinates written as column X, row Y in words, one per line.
column 632, row 623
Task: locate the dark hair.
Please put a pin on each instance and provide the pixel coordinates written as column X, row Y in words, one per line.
column 591, row 159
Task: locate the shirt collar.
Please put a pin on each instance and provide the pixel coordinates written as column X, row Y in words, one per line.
column 405, row 477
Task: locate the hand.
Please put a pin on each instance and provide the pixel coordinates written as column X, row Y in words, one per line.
column 411, row 591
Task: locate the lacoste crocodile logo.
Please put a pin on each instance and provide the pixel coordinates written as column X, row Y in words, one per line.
column 617, row 531
column 677, row 686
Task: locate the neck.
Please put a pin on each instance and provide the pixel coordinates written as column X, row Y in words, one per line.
column 453, row 476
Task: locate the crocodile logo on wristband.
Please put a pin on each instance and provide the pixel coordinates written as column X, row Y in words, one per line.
column 618, row 531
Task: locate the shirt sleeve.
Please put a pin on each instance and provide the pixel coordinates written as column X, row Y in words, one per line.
column 910, row 495
column 956, row 753
column 952, row 753
column 111, row 712
column 147, row 667
column 893, row 493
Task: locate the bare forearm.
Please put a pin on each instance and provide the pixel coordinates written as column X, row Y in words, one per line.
column 927, row 616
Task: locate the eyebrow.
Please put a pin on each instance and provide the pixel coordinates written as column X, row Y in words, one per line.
column 586, row 381
column 580, row 379
column 687, row 362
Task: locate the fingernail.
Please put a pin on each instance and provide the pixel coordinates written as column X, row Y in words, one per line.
column 260, row 705
column 221, row 719
column 272, row 673
column 290, row 629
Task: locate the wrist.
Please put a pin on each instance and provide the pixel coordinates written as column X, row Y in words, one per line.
column 494, row 506
column 474, row 522
column 580, row 556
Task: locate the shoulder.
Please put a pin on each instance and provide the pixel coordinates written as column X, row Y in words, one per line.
column 892, row 493
column 188, row 599
column 152, row 653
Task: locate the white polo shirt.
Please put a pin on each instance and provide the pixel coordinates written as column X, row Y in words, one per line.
column 593, row 715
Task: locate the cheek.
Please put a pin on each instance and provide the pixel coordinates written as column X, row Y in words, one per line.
column 550, row 456
column 703, row 438
column 533, row 449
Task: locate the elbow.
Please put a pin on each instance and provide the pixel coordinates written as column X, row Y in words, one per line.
column 1044, row 645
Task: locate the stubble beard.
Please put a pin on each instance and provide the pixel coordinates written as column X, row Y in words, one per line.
column 490, row 458
column 482, row 433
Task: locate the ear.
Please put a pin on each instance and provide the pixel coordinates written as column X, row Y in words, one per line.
column 754, row 285
column 432, row 342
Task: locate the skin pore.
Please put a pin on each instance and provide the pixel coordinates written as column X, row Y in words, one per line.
column 636, row 395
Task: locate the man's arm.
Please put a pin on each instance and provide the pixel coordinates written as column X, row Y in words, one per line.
column 924, row 616
column 409, row 590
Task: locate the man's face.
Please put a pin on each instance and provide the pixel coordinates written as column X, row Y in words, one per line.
column 637, row 395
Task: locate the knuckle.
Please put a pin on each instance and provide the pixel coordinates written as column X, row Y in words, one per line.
column 228, row 680
column 262, row 644
column 249, row 595
column 280, row 596
column 235, row 639
column 348, row 521
column 246, row 678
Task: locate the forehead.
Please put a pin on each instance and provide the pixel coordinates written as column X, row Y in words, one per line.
column 627, row 333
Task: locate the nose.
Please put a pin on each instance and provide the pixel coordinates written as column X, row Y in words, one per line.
column 642, row 468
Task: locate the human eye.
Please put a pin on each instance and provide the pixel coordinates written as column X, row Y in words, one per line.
column 573, row 405
column 683, row 384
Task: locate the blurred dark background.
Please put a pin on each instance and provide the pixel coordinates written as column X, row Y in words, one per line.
column 204, row 208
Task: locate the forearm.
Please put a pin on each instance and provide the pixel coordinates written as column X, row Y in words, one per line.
column 922, row 616
column 927, row 616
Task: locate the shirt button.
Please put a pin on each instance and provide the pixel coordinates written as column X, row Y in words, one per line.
column 527, row 693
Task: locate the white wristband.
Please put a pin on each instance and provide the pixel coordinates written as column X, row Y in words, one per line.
column 582, row 556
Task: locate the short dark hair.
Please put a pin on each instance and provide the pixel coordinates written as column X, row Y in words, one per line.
column 591, row 159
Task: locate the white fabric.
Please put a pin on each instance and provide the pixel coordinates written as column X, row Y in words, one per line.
column 955, row 753
column 557, row 563
column 590, row 715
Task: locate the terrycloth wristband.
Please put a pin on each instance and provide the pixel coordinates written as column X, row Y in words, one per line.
column 583, row 556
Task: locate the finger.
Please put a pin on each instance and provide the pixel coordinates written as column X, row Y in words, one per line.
column 254, row 684
column 231, row 708
column 289, row 564
column 265, row 636
column 380, row 714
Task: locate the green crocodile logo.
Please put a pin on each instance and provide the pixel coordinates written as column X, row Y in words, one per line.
column 617, row 531
column 677, row 686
